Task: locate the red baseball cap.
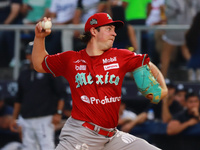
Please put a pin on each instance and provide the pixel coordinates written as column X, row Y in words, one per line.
column 100, row 19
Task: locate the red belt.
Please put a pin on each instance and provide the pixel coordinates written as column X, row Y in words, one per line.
column 101, row 131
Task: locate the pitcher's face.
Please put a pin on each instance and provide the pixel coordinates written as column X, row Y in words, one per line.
column 106, row 36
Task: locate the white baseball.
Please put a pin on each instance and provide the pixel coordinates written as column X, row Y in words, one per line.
column 46, row 24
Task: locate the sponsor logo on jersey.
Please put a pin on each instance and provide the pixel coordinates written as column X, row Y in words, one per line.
column 80, row 67
column 108, row 60
column 111, row 66
column 81, row 79
column 85, row 99
column 80, row 60
column 93, row 100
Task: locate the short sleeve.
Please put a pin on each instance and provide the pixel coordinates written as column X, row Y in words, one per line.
column 131, row 60
column 58, row 64
column 53, row 64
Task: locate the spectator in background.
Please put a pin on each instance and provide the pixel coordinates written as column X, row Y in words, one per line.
column 136, row 14
column 170, row 107
column 7, row 138
column 156, row 16
column 85, row 9
column 136, row 11
column 67, row 109
column 178, row 12
column 62, row 13
column 186, row 118
column 125, row 115
column 35, row 10
column 126, row 35
column 5, row 114
column 193, row 44
column 180, row 94
column 66, row 114
column 40, row 103
column 9, row 14
column 163, row 111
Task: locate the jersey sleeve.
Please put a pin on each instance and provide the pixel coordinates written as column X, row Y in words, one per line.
column 54, row 64
column 131, row 60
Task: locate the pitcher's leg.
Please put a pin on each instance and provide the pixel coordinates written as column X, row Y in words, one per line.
column 125, row 141
column 76, row 137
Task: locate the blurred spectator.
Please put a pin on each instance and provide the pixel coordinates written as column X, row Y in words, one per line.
column 136, row 14
column 169, row 106
column 10, row 14
column 180, row 94
column 141, row 118
column 126, row 35
column 40, row 103
column 125, row 115
column 156, row 16
column 193, row 44
column 5, row 120
column 35, row 10
column 66, row 114
column 85, row 9
column 67, row 109
column 178, row 12
column 62, row 13
column 186, row 118
column 136, row 11
column 163, row 111
column 5, row 114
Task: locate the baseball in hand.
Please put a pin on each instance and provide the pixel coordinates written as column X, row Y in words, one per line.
column 46, row 24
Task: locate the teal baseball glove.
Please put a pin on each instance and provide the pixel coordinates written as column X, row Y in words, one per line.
column 147, row 84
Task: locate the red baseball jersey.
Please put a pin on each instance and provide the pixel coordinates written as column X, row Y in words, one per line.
column 95, row 81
